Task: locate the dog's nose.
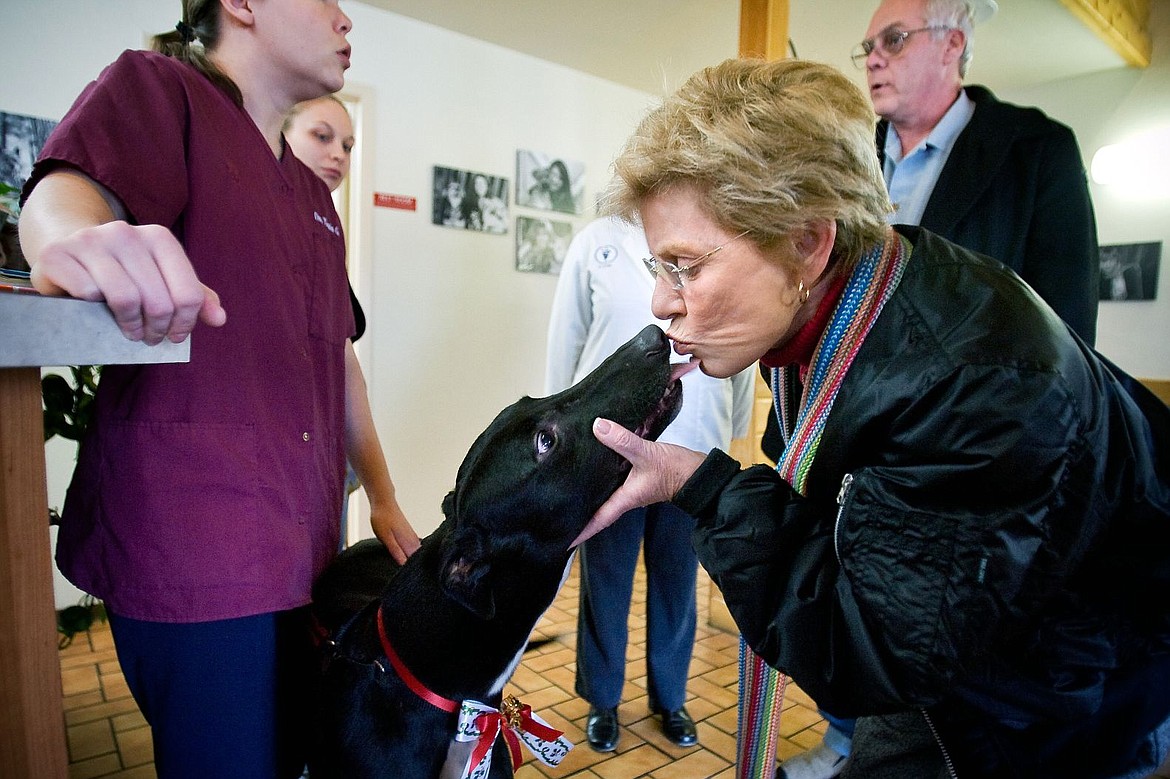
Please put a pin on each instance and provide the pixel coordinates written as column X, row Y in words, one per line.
column 652, row 339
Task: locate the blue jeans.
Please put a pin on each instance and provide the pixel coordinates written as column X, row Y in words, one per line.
column 608, row 563
column 224, row 699
column 839, row 735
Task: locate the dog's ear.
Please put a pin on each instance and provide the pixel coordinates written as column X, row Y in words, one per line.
column 466, row 582
column 449, row 505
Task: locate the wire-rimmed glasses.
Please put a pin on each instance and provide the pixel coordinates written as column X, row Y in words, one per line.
column 888, row 43
column 677, row 274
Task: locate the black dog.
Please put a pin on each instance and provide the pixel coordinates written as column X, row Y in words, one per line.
column 452, row 623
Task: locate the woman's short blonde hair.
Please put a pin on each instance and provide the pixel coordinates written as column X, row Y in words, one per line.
column 770, row 147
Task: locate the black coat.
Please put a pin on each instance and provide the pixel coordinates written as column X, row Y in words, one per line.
column 1000, row 557
column 1014, row 188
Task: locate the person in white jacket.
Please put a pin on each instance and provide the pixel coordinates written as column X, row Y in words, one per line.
column 602, row 300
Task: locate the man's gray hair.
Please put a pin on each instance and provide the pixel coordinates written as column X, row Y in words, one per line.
column 955, row 15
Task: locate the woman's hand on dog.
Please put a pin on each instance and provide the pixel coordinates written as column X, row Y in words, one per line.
column 657, row 473
column 394, row 531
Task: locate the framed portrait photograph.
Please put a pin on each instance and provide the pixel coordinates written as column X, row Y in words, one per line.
column 541, row 244
column 468, row 200
column 21, row 140
column 1129, row 271
column 549, row 183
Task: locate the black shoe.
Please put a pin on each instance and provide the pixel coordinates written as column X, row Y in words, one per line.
column 677, row 726
column 601, row 729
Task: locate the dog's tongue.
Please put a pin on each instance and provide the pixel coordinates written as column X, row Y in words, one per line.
column 680, row 369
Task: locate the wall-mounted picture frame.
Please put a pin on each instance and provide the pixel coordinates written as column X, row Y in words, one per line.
column 21, row 139
column 1129, row 271
column 549, row 183
column 541, row 244
column 468, row 200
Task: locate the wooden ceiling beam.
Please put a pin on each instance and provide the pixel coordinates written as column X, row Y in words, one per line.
column 763, row 29
column 1122, row 24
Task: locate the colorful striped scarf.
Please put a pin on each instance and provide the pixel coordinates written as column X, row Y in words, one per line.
column 761, row 687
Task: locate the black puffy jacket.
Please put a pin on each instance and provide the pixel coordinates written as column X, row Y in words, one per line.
column 986, row 534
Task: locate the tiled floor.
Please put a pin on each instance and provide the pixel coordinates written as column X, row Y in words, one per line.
column 105, row 732
column 108, row 737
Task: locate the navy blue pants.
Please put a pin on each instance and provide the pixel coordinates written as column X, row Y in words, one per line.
column 608, row 562
column 224, row 699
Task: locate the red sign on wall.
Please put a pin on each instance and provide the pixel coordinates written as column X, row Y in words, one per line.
column 403, row 202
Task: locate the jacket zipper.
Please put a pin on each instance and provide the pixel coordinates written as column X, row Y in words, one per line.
column 942, row 747
column 842, row 497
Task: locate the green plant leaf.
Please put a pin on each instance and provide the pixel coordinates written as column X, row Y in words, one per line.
column 69, row 408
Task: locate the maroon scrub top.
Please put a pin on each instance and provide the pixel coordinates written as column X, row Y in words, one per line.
column 212, row 489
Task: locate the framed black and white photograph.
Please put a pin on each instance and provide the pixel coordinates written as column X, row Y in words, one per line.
column 21, row 140
column 1129, row 271
column 469, row 200
column 541, row 244
column 549, row 183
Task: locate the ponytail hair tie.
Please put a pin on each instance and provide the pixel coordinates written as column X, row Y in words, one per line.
column 186, row 32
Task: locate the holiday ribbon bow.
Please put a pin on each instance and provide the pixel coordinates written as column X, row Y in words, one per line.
column 515, row 721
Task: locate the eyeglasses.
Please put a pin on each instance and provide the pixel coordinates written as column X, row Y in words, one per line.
column 677, row 274
column 889, row 43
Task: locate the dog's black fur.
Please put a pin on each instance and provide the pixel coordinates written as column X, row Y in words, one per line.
column 461, row 609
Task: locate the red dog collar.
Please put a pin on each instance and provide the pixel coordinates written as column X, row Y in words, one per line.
column 417, row 687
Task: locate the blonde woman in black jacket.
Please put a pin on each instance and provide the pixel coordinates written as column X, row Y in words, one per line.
column 966, row 542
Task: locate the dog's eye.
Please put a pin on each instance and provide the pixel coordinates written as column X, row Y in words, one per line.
column 544, row 442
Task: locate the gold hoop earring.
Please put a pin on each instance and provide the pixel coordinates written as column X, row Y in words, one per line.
column 802, row 292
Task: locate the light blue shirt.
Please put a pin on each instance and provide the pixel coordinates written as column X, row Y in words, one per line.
column 910, row 177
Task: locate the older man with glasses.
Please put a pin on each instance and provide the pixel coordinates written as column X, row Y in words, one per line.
column 993, row 177
column 997, row 178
